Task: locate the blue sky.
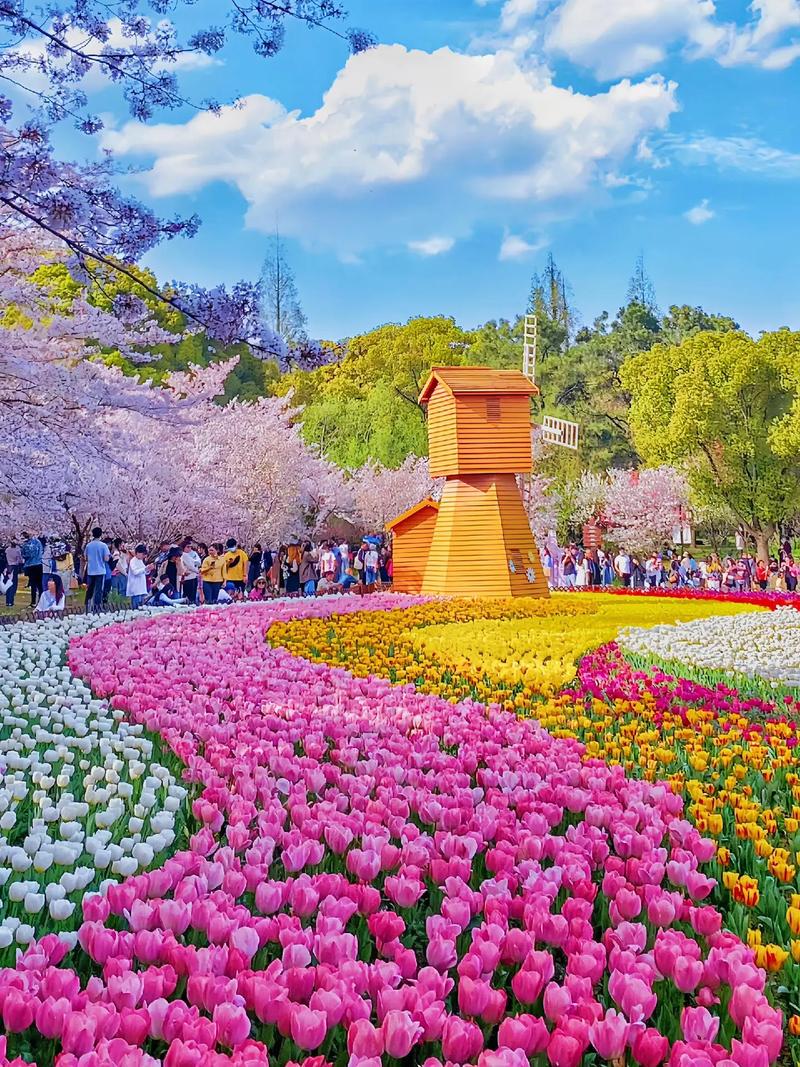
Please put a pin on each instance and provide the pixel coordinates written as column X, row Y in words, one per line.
column 443, row 165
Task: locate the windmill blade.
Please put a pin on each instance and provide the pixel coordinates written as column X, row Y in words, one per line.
column 530, row 340
column 560, row 432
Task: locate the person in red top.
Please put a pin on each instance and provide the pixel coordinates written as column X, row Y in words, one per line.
column 762, row 575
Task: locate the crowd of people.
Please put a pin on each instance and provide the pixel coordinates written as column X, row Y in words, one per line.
column 187, row 572
column 575, row 568
column 192, row 572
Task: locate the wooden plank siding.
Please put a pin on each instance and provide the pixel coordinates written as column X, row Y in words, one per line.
column 412, row 541
column 442, row 433
column 481, row 527
column 494, row 434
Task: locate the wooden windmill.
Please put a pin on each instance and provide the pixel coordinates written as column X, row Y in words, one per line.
column 478, row 542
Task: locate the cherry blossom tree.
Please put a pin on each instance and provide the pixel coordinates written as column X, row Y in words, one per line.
column 379, row 494
column 51, row 54
column 62, row 411
column 541, row 500
column 643, row 507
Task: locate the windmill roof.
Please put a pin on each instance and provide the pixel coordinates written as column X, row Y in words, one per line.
column 461, row 380
column 426, row 503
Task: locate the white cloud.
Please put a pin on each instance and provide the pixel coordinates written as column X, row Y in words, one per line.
column 627, row 37
column 514, row 11
column 699, row 214
column 409, row 142
column 516, row 247
column 432, row 246
column 748, row 154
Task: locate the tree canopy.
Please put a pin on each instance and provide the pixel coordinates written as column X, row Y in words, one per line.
column 365, row 406
column 724, row 407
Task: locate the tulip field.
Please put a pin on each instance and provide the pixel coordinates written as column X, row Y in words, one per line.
column 355, row 832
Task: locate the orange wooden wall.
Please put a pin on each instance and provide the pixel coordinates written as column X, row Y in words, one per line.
column 442, row 436
column 471, row 433
column 494, row 433
column 480, row 528
column 410, row 547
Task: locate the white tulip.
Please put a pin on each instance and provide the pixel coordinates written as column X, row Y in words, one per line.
column 33, row 903
column 24, row 934
column 102, row 858
column 61, row 909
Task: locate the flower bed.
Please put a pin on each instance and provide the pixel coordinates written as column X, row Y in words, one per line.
column 383, row 876
column 510, row 652
column 754, row 645
column 86, row 798
column 766, row 599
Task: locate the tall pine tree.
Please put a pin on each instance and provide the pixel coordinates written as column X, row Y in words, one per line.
column 280, row 301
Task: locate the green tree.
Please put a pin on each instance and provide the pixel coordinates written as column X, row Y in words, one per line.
column 684, row 321
column 280, row 301
column 498, row 344
column 722, row 405
column 365, row 407
column 641, row 290
column 549, row 301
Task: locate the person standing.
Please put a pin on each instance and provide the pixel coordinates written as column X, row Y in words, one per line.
column 191, row 570
column 654, row 571
column 790, row 574
column 48, row 557
column 371, row 562
column 32, row 565
column 119, row 565
column 97, row 557
column 235, row 561
column 255, row 563
column 212, row 572
column 623, row 567
column 136, row 581
column 327, row 559
column 268, row 565
column 344, row 560
column 14, row 561
column 291, row 569
column 569, row 567
column 308, row 571
column 65, row 568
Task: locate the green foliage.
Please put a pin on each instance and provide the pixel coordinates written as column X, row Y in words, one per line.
column 686, row 321
column 723, row 406
column 498, row 344
column 365, row 407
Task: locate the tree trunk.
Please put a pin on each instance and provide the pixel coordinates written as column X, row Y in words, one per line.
column 763, row 536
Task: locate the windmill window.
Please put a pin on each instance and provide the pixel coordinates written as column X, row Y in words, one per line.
column 493, row 408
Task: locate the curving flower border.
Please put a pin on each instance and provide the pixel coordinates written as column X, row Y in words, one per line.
column 383, row 873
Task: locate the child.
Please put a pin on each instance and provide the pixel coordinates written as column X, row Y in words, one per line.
column 136, row 584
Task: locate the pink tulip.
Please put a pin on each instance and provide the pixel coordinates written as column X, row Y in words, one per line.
column 363, row 1039
column 233, row 1025
column 461, row 1040
column 308, row 1027
column 698, row 1024
column 564, row 1050
column 18, row 1011
column 400, row 1033
column 649, row 1047
column 523, row 1032
column 610, row 1035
